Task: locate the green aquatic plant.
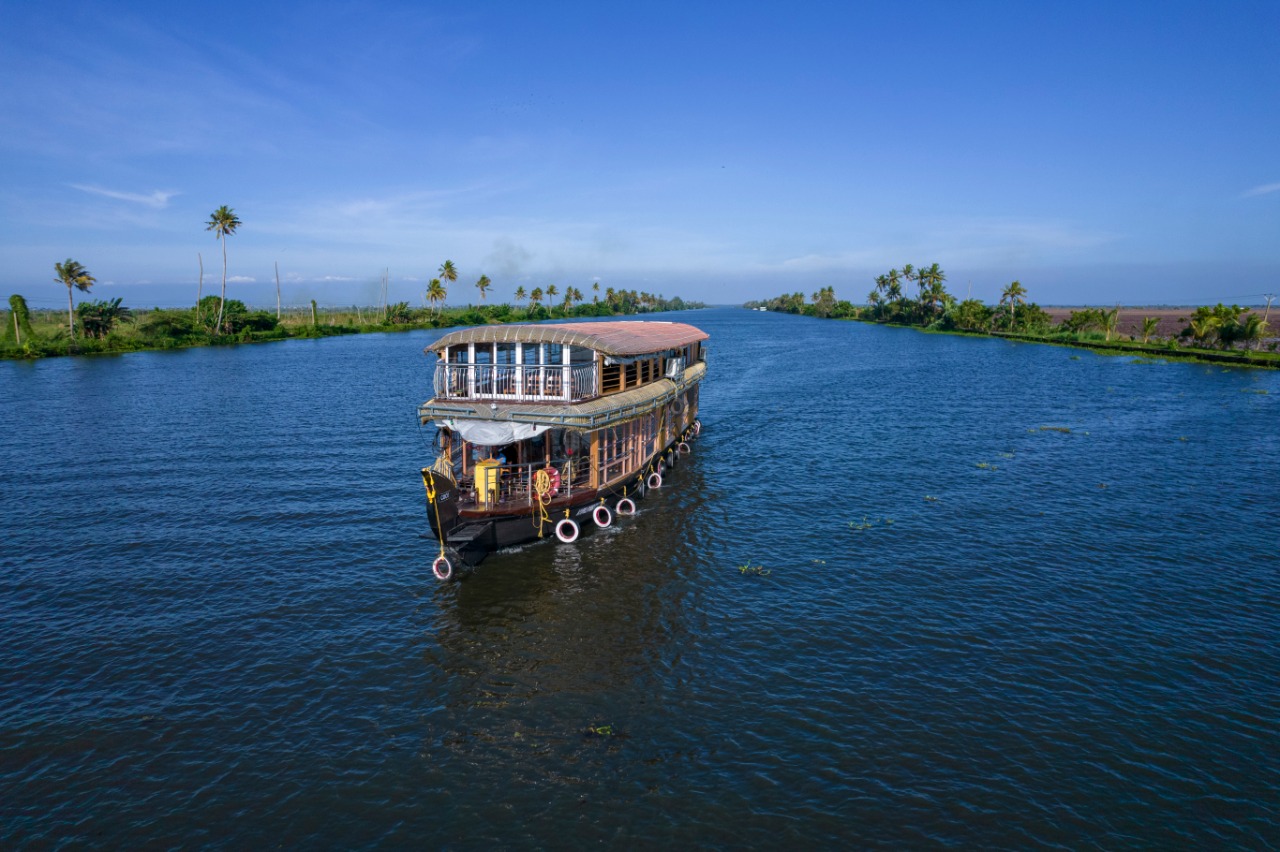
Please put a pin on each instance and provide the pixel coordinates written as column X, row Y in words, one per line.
column 601, row 731
column 986, row 466
column 1064, row 429
column 929, row 498
column 758, row 570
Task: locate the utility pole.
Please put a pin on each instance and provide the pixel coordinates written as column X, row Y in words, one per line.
column 1269, row 297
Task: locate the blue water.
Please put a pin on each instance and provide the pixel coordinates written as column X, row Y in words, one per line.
column 1001, row 595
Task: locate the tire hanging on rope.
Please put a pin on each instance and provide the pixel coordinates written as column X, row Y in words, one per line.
column 567, row 530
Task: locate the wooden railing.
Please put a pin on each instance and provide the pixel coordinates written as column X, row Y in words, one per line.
column 516, row 382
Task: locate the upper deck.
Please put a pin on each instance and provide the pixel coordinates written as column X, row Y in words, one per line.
column 561, row 363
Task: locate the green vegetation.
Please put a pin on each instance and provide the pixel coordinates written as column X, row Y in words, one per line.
column 109, row 326
column 1211, row 334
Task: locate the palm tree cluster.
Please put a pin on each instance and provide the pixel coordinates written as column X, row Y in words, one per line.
column 889, row 302
column 1225, row 326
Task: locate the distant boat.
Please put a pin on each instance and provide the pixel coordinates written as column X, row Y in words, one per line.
column 545, row 428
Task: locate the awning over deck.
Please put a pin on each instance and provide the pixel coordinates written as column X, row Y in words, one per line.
column 619, row 338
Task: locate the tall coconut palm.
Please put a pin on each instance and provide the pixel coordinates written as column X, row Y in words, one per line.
column 435, row 293
column 75, row 277
column 223, row 223
column 521, row 295
column 1013, row 294
column 535, row 298
column 448, row 273
column 483, row 284
column 932, row 293
column 595, row 296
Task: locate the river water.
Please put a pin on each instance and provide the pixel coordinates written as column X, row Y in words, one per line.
column 999, row 595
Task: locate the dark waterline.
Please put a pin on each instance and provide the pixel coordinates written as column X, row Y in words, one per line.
column 220, row 625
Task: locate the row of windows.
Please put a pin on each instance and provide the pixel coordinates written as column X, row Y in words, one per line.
column 519, row 353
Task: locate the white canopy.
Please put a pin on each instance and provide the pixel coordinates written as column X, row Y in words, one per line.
column 492, row 433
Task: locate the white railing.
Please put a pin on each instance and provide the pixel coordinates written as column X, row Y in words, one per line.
column 516, row 382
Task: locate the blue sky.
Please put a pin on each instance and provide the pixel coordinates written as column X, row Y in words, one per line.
column 1095, row 151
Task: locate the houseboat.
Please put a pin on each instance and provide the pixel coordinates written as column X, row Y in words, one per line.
column 544, row 429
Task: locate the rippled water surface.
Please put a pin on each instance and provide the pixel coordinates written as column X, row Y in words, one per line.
column 1003, row 595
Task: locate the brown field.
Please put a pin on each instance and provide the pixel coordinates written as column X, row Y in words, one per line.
column 1172, row 320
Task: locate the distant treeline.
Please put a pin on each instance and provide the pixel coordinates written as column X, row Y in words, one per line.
column 109, row 326
column 931, row 307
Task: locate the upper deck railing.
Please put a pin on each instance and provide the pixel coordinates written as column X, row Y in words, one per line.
column 516, row 382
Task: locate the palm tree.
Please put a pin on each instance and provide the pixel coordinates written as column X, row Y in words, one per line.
column 1110, row 319
column 595, row 286
column 483, row 284
column 223, row 223
column 435, row 293
column 1149, row 326
column 1202, row 328
column 76, row 277
column 535, row 298
column 1013, row 294
column 1253, row 328
column 98, row 318
column 448, row 272
column 552, row 292
column 520, row 293
column 932, row 293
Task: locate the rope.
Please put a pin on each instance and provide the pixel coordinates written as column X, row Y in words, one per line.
column 431, row 498
column 542, row 488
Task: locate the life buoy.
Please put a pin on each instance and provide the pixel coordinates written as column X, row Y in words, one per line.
column 654, row 480
column 625, row 506
column 602, row 516
column 697, row 428
column 683, row 448
column 546, row 482
column 442, row 569
column 677, row 405
column 567, row 530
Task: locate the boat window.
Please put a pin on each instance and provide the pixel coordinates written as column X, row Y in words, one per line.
column 581, row 355
column 506, row 353
column 484, row 353
column 555, row 353
column 458, row 354
column 532, row 353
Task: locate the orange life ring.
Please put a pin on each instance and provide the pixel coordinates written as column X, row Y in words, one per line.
column 546, row 482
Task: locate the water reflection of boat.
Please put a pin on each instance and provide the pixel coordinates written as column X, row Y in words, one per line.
column 544, row 429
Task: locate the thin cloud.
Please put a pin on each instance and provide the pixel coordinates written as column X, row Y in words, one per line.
column 1265, row 189
column 158, row 199
column 241, row 279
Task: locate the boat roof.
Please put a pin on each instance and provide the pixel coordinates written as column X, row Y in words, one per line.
column 624, row 337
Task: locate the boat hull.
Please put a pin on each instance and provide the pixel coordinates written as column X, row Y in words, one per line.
column 469, row 535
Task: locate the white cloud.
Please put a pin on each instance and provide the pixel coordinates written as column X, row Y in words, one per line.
column 241, row 279
column 158, row 199
column 1265, row 189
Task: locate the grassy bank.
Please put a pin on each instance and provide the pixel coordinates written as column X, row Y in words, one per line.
column 107, row 328
column 1209, row 334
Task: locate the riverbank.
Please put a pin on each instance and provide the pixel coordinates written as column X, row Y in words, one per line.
column 44, row 334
